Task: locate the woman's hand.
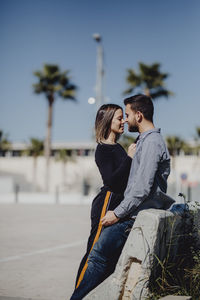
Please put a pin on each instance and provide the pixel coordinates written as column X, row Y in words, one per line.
column 132, row 150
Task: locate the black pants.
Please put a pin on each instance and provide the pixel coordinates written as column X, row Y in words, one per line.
column 102, row 202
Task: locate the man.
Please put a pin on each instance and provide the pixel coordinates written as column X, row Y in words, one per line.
column 146, row 188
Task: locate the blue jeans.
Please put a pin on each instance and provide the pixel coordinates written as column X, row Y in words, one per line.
column 103, row 257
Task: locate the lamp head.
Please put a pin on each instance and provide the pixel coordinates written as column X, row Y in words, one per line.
column 97, row 37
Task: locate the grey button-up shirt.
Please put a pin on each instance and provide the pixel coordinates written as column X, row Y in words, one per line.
column 147, row 182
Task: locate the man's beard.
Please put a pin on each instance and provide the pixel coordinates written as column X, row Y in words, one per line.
column 132, row 128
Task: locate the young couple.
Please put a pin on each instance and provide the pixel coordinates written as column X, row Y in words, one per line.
column 132, row 182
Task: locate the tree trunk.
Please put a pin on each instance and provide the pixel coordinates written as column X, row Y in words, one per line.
column 147, row 92
column 173, row 160
column 34, row 172
column 47, row 146
column 63, row 183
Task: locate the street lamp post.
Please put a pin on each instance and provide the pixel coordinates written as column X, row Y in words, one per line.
column 100, row 71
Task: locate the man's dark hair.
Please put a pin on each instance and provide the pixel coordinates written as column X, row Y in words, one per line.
column 143, row 104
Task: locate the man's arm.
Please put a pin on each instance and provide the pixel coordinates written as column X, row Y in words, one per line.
column 143, row 180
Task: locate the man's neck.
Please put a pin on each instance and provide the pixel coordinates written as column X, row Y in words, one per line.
column 146, row 126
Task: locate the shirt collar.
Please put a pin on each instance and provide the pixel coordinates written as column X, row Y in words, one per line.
column 145, row 133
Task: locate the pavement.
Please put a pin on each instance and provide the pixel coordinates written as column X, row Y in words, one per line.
column 40, row 250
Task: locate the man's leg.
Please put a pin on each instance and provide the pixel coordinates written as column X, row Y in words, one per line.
column 106, row 250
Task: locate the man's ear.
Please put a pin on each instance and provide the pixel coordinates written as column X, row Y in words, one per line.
column 139, row 116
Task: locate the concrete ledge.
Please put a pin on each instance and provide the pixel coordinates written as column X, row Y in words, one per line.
column 151, row 232
column 15, row 298
column 176, row 298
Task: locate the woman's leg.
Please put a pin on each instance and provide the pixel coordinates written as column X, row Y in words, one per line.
column 89, row 247
column 98, row 210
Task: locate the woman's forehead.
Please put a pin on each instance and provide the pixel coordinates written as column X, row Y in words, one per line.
column 118, row 113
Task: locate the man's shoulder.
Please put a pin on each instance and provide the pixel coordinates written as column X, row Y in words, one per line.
column 155, row 142
column 154, row 137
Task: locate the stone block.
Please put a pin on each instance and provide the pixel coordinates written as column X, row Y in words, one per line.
column 151, row 232
column 171, row 297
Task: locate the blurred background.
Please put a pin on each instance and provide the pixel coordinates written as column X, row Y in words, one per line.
column 60, row 60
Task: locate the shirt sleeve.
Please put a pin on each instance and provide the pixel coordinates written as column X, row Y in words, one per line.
column 140, row 184
column 112, row 176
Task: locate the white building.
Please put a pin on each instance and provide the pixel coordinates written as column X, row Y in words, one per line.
column 21, row 173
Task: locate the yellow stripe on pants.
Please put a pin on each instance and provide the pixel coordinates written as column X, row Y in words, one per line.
column 103, row 212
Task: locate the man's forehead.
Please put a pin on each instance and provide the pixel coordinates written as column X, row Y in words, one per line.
column 128, row 108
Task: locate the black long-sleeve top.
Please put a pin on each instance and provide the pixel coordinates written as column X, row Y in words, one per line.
column 114, row 165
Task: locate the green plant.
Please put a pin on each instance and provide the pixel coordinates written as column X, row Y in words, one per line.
column 5, row 144
column 179, row 275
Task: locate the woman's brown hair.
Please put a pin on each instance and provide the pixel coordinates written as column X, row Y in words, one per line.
column 103, row 120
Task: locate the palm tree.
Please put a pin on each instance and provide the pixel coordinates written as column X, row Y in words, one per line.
column 149, row 80
column 126, row 140
column 198, row 140
column 63, row 156
column 35, row 149
column 174, row 144
column 4, row 143
column 53, row 83
column 198, row 132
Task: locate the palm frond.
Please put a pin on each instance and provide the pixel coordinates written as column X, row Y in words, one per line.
column 49, row 69
column 148, row 78
column 36, row 147
column 160, row 92
column 68, row 94
column 38, row 74
column 52, row 81
column 128, row 91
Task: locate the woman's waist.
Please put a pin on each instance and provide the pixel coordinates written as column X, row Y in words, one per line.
column 114, row 190
column 106, row 192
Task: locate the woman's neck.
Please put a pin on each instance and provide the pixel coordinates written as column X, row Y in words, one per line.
column 110, row 140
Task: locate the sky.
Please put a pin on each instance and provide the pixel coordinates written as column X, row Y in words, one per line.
column 34, row 32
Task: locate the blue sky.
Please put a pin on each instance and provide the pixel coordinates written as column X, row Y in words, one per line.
column 34, row 32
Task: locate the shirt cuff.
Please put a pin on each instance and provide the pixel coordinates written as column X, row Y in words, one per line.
column 119, row 213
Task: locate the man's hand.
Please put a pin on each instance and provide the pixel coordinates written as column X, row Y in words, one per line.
column 109, row 218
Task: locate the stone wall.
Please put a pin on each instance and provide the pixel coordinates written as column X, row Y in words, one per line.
column 71, row 176
column 153, row 232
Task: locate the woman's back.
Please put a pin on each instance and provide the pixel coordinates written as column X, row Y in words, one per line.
column 114, row 165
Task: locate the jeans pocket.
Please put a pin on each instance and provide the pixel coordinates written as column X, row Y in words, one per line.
column 127, row 231
column 128, row 227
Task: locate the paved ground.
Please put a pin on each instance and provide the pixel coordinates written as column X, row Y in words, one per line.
column 40, row 250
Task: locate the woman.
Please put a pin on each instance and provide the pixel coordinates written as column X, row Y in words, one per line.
column 114, row 165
